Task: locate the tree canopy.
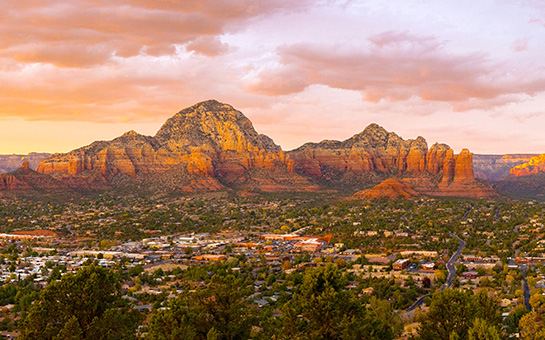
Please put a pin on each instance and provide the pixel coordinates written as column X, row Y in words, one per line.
column 84, row 305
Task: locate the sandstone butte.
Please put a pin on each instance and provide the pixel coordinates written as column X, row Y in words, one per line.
column 435, row 171
column 211, row 146
column 205, row 147
column 534, row 166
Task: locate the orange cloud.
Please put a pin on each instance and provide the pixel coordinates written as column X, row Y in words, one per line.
column 109, row 61
column 209, row 46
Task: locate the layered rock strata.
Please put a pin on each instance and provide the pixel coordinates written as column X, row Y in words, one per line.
column 375, row 151
column 205, row 147
column 533, row 166
column 28, row 181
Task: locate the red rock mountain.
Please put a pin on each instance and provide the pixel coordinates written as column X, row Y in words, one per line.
column 27, row 181
column 211, row 146
column 205, row 147
column 376, row 154
column 534, row 166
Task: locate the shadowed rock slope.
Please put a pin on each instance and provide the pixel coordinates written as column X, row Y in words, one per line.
column 28, row 182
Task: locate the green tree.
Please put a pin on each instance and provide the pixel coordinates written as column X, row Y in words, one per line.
column 70, row 331
column 323, row 310
column 89, row 300
column 531, row 327
column 219, row 306
column 453, row 311
column 482, row 330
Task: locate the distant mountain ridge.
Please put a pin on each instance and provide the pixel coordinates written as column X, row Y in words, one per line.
column 495, row 167
column 211, row 146
column 533, row 166
column 12, row 162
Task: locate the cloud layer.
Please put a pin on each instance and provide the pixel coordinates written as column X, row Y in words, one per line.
column 301, row 70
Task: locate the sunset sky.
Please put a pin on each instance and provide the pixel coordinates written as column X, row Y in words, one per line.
column 466, row 73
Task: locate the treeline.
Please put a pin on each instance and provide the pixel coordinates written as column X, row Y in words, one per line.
column 89, row 305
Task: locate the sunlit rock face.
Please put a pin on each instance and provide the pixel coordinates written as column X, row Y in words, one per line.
column 533, row 166
column 208, row 145
column 375, row 151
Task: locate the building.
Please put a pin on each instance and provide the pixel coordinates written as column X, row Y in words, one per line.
column 400, row 264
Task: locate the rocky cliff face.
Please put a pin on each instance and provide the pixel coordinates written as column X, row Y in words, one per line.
column 495, row 167
column 533, row 166
column 27, row 181
column 204, row 147
column 375, row 154
column 374, row 149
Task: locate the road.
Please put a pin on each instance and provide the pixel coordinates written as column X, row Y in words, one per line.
column 451, row 273
column 451, row 263
column 525, row 289
column 466, row 214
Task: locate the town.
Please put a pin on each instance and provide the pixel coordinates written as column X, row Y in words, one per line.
column 399, row 252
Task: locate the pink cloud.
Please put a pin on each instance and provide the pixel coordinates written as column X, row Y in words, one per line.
column 396, row 67
column 280, row 81
column 92, row 31
column 520, row 45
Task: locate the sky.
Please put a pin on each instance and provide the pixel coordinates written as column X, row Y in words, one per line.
column 470, row 74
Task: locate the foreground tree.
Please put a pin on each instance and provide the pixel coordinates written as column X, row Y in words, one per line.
column 216, row 312
column 482, row 330
column 85, row 305
column 531, row 327
column 454, row 313
column 323, row 310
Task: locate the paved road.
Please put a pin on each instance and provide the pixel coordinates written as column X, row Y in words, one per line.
column 525, row 288
column 451, row 273
column 417, row 303
column 465, row 215
column 451, row 263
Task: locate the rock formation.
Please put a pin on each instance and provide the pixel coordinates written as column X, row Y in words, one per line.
column 204, row 147
column 27, row 181
column 376, row 154
column 211, row 146
column 533, row 166
column 374, row 149
column 392, row 188
column 495, row 167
